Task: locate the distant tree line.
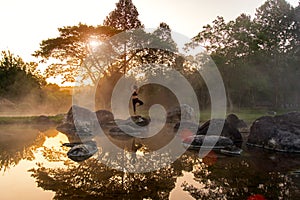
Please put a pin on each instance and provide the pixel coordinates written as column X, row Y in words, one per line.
column 18, row 79
column 24, row 89
column 258, row 58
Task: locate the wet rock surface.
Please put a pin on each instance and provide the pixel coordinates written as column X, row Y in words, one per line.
column 81, row 151
column 81, row 121
column 278, row 133
column 132, row 126
column 193, row 127
column 212, row 142
column 228, row 127
column 183, row 112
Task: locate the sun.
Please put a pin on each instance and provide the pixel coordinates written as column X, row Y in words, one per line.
column 93, row 43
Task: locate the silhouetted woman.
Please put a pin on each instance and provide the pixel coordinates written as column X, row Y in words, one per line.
column 135, row 99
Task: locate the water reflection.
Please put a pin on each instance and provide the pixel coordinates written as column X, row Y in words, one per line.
column 256, row 172
column 92, row 179
column 236, row 185
column 227, row 178
column 17, row 143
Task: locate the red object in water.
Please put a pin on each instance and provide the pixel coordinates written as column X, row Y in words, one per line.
column 210, row 159
column 256, row 197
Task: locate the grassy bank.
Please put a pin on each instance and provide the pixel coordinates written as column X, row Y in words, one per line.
column 31, row 120
column 249, row 115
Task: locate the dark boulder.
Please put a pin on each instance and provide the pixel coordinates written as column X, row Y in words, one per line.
column 104, row 116
column 81, row 121
column 279, row 133
column 81, row 152
column 79, row 114
column 180, row 113
column 186, row 125
column 235, row 122
column 207, row 142
column 229, row 130
column 67, row 128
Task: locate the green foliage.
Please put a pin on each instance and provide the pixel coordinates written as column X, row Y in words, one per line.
column 124, row 17
column 70, row 50
column 74, row 57
column 257, row 58
column 56, row 99
column 18, row 79
column 23, row 89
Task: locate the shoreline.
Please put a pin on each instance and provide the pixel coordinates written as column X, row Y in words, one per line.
column 38, row 119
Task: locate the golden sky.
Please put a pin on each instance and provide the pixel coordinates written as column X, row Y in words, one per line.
column 25, row 23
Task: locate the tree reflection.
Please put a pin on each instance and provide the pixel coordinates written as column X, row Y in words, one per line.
column 93, row 180
column 226, row 178
column 51, row 155
column 239, row 178
column 18, row 143
column 13, row 148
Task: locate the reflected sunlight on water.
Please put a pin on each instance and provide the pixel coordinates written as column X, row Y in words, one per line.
column 58, row 139
column 16, row 182
column 177, row 193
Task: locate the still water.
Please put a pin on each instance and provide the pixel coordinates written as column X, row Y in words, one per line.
column 34, row 165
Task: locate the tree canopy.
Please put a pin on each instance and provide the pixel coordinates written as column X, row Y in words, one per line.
column 70, row 50
column 257, row 57
column 123, row 17
column 18, row 78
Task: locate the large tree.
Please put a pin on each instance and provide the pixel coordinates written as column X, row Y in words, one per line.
column 74, row 51
column 218, row 39
column 277, row 40
column 71, row 48
column 124, row 17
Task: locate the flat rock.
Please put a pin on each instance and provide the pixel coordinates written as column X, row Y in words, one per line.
column 211, row 142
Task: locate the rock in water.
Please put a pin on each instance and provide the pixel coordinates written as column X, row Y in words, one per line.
column 137, row 121
column 82, row 120
column 126, row 130
column 186, row 125
column 229, row 130
column 79, row 113
column 67, row 128
column 180, row 113
column 211, row 142
column 235, row 122
column 104, row 116
column 279, row 133
column 82, row 151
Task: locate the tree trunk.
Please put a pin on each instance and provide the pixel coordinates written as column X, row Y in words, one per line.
column 229, row 100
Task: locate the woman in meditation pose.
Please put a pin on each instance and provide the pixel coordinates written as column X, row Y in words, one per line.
column 135, row 99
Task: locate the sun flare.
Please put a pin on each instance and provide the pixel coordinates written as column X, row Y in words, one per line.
column 93, row 43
